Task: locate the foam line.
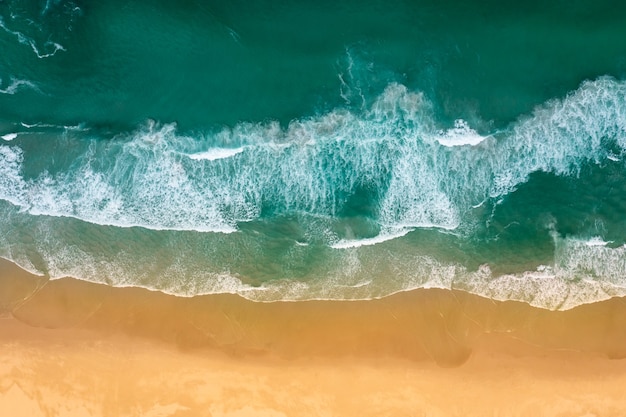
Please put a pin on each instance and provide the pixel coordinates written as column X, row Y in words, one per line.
column 9, row 136
column 15, row 85
column 355, row 243
column 460, row 135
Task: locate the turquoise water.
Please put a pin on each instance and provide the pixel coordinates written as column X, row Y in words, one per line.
column 305, row 150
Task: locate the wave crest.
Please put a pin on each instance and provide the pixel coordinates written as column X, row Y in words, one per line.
column 391, row 156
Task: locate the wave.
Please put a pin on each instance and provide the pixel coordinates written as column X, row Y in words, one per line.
column 582, row 272
column 392, row 153
column 218, row 153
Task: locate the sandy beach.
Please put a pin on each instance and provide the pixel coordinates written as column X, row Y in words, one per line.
column 72, row 348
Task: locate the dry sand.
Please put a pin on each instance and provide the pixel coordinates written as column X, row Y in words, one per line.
column 71, row 348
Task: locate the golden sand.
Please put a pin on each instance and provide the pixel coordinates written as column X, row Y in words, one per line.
column 71, row 348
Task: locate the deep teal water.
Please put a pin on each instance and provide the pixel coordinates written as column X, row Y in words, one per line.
column 297, row 150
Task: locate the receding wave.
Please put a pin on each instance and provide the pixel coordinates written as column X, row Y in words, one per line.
column 582, row 271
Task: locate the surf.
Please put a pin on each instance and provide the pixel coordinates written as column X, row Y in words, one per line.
column 160, row 179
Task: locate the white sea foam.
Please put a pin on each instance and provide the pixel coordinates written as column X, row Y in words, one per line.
column 53, row 48
column 12, row 185
column 383, row 237
column 216, row 153
column 48, row 49
column 17, row 84
column 544, row 289
column 20, row 37
column 558, row 287
column 596, row 241
column 584, row 271
column 9, row 136
column 77, row 127
column 460, row 135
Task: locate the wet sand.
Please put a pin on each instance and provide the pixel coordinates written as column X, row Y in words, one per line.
column 72, row 348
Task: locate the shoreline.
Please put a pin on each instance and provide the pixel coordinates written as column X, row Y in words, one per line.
column 441, row 352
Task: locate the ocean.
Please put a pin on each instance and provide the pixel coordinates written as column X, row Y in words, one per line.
column 299, row 150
